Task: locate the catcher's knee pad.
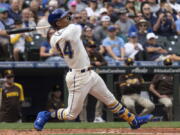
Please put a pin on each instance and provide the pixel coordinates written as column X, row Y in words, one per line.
column 63, row 114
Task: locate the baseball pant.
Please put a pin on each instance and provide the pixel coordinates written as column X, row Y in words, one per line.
column 167, row 102
column 99, row 108
column 79, row 85
column 83, row 113
column 130, row 100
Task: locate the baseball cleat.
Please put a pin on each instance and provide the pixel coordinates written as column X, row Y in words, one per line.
column 41, row 120
column 140, row 120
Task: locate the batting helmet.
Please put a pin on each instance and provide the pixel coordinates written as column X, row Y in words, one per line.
column 55, row 15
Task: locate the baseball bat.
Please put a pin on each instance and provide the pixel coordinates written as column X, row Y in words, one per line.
column 22, row 30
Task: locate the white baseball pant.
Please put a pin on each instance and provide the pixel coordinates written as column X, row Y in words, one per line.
column 79, row 85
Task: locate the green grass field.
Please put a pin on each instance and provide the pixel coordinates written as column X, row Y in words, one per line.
column 76, row 125
column 19, row 127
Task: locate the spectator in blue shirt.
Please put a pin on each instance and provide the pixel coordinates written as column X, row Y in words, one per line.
column 5, row 24
column 178, row 22
column 114, row 45
column 5, row 21
column 46, row 53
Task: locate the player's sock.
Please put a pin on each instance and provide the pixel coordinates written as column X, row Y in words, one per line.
column 61, row 114
column 53, row 114
column 121, row 111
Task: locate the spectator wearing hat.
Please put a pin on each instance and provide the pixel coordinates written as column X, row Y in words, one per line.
column 4, row 4
column 100, row 31
column 130, row 87
column 73, row 7
column 114, row 45
column 155, row 51
column 132, row 47
column 6, row 23
column 162, row 87
column 124, row 22
column 142, row 27
column 11, row 98
column 80, row 5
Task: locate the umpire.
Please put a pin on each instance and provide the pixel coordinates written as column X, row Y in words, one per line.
column 11, row 96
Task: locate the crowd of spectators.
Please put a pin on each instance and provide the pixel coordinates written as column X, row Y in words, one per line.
column 113, row 30
column 118, row 29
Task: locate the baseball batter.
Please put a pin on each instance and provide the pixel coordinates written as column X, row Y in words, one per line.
column 80, row 79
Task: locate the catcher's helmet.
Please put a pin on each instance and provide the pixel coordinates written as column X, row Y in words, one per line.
column 55, row 15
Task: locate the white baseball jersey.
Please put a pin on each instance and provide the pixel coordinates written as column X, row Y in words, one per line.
column 68, row 42
column 79, row 84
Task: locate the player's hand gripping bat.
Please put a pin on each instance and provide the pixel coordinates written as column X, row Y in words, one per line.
column 22, row 30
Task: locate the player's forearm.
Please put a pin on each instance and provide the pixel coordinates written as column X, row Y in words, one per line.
column 122, row 52
column 157, row 25
column 111, row 53
column 152, row 49
column 3, row 33
column 154, row 91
